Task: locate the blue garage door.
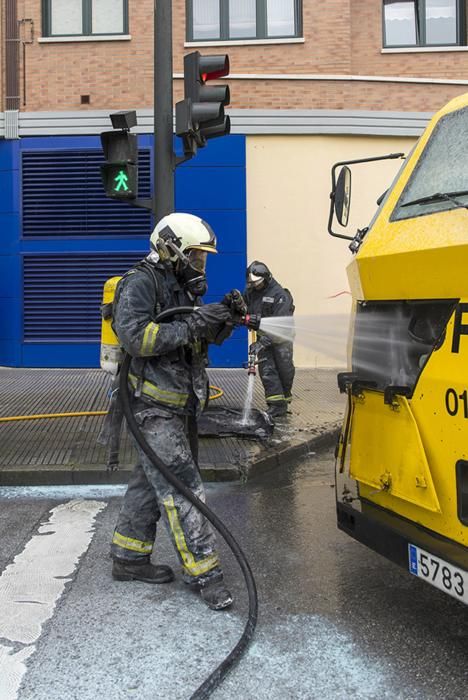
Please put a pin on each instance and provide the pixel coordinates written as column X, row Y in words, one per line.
column 74, row 238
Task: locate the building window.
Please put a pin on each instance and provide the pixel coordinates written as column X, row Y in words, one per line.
column 84, row 17
column 224, row 20
column 424, row 23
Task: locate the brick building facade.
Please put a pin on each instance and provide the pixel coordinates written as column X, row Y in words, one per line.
column 338, row 62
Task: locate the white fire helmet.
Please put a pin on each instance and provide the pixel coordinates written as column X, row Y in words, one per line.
column 180, row 233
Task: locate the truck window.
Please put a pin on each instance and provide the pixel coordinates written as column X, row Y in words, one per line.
column 442, row 169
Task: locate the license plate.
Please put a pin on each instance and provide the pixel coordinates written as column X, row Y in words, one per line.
column 438, row 572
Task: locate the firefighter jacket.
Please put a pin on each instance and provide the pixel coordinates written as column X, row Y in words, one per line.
column 166, row 370
column 272, row 300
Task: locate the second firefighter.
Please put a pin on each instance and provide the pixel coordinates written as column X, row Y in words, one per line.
column 265, row 297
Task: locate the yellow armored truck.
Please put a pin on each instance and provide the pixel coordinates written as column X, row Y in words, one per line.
column 402, row 456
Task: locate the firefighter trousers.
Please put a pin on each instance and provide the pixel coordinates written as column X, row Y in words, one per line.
column 276, row 369
column 149, row 497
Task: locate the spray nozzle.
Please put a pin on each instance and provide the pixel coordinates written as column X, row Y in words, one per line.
column 252, row 321
column 252, row 364
column 236, row 303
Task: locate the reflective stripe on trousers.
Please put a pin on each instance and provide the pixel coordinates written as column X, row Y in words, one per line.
column 192, row 567
column 132, row 544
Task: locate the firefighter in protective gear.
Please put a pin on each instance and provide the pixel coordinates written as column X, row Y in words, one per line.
column 266, row 297
column 169, row 383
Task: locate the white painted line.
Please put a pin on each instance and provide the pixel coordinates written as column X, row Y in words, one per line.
column 64, row 492
column 32, row 584
column 12, row 670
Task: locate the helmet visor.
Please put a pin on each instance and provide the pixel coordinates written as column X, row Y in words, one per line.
column 255, row 281
column 197, row 259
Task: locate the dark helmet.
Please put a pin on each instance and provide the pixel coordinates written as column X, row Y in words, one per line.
column 258, row 275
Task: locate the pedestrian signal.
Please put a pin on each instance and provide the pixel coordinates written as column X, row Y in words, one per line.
column 200, row 116
column 120, row 173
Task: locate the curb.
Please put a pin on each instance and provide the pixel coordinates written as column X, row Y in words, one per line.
column 288, row 455
column 24, row 475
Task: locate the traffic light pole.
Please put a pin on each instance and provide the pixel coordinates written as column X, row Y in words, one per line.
column 163, row 163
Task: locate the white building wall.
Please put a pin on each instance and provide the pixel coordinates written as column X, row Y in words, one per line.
column 288, row 196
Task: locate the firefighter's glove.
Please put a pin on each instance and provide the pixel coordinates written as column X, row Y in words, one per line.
column 255, row 348
column 208, row 322
column 259, row 345
column 236, row 302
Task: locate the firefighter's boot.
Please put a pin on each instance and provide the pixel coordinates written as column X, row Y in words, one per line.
column 216, row 595
column 141, row 571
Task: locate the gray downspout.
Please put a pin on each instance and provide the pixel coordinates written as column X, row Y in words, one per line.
column 12, row 83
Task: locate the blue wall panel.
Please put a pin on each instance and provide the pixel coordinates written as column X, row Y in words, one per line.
column 212, row 185
column 9, row 200
column 10, row 227
column 211, row 189
column 10, row 353
column 10, row 268
column 60, row 355
column 10, row 271
column 10, row 325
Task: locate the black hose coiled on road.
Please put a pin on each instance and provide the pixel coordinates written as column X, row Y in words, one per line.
column 218, row 675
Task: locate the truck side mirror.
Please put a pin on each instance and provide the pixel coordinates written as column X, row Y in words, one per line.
column 343, row 196
column 340, row 197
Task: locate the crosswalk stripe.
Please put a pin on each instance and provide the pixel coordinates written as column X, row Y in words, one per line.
column 32, row 584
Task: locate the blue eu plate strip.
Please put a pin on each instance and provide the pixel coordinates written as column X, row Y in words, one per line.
column 413, row 559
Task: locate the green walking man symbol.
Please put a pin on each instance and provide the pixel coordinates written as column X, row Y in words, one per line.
column 121, row 181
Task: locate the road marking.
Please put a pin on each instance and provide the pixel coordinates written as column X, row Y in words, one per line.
column 64, row 492
column 32, row 584
column 12, row 670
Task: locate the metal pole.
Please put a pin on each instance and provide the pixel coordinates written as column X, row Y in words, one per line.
column 163, row 165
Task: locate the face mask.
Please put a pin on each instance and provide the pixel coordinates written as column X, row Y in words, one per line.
column 255, row 282
column 197, row 259
column 193, row 281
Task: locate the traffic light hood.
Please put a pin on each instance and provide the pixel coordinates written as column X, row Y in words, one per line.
column 212, row 67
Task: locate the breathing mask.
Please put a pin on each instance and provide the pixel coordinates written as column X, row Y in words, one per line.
column 192, row 272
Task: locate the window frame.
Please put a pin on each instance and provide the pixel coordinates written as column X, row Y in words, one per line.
column 261, row 24
column 420, row 14
column 86, row 14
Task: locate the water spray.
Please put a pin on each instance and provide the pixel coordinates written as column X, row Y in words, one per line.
column 251, row 374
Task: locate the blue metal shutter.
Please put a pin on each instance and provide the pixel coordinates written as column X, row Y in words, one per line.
column 63, row 294
column 63, row 195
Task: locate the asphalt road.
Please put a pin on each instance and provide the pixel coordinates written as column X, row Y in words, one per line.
column 336, row 620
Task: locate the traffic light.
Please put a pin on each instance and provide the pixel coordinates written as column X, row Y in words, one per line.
column 200, row 116
column 120, row 173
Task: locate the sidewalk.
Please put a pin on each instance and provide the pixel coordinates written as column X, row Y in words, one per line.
column 65, row 450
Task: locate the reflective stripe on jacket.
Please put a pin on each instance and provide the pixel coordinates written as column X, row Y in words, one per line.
column 165, row 368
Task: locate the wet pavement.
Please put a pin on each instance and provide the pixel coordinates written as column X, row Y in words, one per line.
column 336, row 620
column 66, row 450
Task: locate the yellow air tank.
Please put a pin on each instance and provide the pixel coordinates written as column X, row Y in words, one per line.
column 402, row 457
column 111, row 351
